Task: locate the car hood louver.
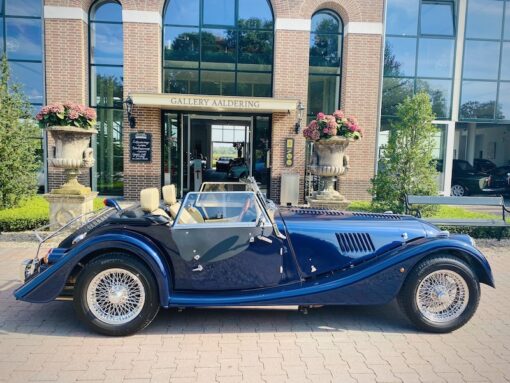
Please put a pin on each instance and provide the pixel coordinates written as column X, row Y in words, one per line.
column 355, row 244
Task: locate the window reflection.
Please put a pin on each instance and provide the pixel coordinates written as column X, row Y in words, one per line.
column 219, row 12
column 31, row 8
column 481, row 60
column 484, row 19
column 478, row 100
column 440, row 95
column 395, row 90
column 402, row 17
column 182, row 12
column 504, row 101
column 400, row 56
column 219, row 47
column 435, row 57
column 326, row 41
column 437, row 19
column 30, row 76
column 23, row 39
column 505, row 62
column 507, row 22
column 106, row 93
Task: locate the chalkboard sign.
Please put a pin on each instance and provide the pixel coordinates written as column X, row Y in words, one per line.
column 140, row 147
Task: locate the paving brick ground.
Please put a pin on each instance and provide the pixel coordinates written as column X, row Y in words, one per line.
column 333, row 344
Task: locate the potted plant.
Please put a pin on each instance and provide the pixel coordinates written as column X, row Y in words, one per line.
column 71, row 126
column 331, row 134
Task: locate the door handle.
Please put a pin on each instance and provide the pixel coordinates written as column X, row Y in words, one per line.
column 198, row 268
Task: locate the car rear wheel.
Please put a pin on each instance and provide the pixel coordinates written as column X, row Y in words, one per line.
column 116, row 295
column 458, row 190
column 440, row 294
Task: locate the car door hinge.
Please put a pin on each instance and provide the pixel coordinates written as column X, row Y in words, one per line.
column 198, row 268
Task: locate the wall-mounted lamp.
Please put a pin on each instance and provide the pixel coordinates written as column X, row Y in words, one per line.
column 300, row 109
column 129, row 109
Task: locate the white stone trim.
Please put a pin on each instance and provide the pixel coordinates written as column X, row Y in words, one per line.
column 294, row 24
column 66, row 13
column 147, row 17
column 356, row 27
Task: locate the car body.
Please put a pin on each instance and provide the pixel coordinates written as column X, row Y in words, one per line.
column 483, row 165
column 238, row 169
column 243, row 250
column 223, row 164
column 499, row 181
column 466, row 179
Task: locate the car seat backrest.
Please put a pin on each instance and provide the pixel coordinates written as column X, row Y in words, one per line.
column 169, row 195
column 149, row 202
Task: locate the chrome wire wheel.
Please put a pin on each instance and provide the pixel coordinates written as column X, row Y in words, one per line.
column 442, row 296
column 115, row 296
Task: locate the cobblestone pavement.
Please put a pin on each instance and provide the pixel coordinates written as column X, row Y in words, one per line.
column 332, row 344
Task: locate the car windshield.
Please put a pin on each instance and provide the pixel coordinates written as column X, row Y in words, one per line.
column 466, row 166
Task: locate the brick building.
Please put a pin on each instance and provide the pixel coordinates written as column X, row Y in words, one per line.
column 211, row 80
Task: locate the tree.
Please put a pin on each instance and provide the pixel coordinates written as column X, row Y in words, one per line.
column 18, row 160
column 407, row 165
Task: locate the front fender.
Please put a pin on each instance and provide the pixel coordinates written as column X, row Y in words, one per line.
column 48, row 285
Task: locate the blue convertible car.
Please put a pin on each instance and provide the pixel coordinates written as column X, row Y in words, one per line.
column 227, row 245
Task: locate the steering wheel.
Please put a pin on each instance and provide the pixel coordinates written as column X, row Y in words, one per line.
column 246, row 207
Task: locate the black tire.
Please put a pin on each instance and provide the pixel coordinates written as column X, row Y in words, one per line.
column 408, row 301
column 130, row 264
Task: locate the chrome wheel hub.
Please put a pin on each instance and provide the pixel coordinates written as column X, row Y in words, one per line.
column 442, row 296
column 115, row 296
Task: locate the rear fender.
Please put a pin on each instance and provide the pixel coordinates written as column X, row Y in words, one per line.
column 48, row 285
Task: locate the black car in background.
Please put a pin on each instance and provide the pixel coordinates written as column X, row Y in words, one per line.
column 466, row 179
column 499, row 181
column 483, row 165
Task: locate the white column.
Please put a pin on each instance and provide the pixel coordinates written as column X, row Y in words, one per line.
column 448, row 159
column 471, row 139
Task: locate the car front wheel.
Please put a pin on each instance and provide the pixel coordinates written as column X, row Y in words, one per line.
column 458, row 190
column 440, row 294
column 116, row 295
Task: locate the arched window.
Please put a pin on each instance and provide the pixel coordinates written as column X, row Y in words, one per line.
column 325, row 67
column 219, row 47
column 106, row 56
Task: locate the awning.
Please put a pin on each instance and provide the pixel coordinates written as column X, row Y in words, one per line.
column 192, row 102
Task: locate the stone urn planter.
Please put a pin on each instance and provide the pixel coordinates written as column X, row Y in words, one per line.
column 331, row 135
column 329, row 161
column 72, row 153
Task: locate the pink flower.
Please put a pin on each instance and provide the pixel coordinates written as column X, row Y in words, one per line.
column 39, row 116
column 315, row 135
column 56, row 108
column 353, row 120
column 339, row 114
column 313, row 124
column 73, row 114
column 90, row 114
column 45, row 110
column 320, row 116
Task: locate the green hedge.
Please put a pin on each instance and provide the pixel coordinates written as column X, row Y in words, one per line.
column 30, row 214
column 451, row 212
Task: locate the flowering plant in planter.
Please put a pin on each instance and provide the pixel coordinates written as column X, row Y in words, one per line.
column 326, row 126
column 66, row 114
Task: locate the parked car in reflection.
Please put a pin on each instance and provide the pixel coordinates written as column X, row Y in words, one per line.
column 223, row 164
column 483, row 165
column 238, row 169
column 466, row 179
column 499, row 181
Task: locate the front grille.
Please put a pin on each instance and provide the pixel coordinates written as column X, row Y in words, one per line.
column 355, row 243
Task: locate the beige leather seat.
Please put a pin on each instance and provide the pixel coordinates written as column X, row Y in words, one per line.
column 189, row 215
column 149, row 202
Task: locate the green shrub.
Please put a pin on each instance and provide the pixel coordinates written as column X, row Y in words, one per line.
column 30, row 214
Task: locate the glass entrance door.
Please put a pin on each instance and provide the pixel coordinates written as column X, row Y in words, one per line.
column 201, row 148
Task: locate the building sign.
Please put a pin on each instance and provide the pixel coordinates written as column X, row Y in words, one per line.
column 140, row 145
column 209, row 103
column 289, row 152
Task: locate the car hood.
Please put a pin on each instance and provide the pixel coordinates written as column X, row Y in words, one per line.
column 327, row 240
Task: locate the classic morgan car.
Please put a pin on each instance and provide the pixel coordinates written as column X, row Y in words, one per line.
column 233, row 247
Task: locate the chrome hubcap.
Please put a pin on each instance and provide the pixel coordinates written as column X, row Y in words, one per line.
column 442, row 296
column 115, row 296
column 457, row 191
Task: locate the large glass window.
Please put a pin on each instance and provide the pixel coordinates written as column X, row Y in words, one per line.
column 106, row 91
column 21, row 40
column 419, row 54
column 219, row 47
column 325, row 67
column 486, row 67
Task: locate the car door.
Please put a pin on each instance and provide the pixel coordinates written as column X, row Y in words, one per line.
column 226, row 242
